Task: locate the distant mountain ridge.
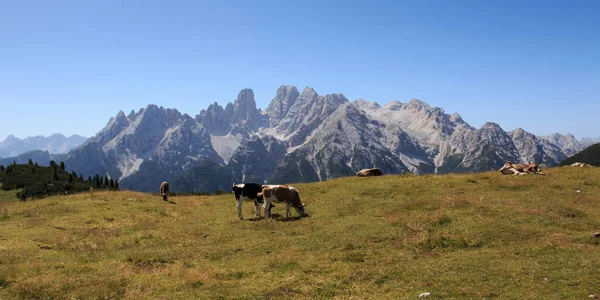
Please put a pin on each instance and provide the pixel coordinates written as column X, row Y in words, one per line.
column 589, row 155
column 300, row 137
column 54, row 144
column 40, row 157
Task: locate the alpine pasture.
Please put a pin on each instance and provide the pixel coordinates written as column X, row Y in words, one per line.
column 470, row 236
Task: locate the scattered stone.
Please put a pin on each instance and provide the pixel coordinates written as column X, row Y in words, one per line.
column 425, row 295
column 45, row 247
column 578, row 191
column 592, row 296
column 61, row 228
column 597, row 234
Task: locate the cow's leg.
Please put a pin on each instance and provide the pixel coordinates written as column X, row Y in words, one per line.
column 287, row 210
column 257, row 206
column 267, row 208
column 238, row 204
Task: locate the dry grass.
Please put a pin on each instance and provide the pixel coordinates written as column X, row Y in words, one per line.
column 393, row 237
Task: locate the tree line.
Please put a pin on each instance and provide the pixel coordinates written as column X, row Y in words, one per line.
column 38, row 181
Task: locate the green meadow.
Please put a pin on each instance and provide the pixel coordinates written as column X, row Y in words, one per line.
column 467, row 236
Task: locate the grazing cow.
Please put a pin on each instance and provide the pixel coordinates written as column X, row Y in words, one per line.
column 247, row 191
column 520, row 169
column 281, row 193
column 164, row 190
column 369, row 172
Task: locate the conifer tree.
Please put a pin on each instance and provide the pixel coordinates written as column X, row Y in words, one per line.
column 62, row 165
column 111, row 183
column 30, row 162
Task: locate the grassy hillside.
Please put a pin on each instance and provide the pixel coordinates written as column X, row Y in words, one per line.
column 590, row 155
column 469, row 236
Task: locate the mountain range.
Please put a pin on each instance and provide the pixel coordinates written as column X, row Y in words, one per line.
column 301, row 137
column 54, row 144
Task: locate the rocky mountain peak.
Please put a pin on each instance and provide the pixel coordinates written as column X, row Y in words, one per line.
column 280, row 105
column 416, row 103
column 309, row 94
column 244, row 103
column 490, row 125
column 456, row 118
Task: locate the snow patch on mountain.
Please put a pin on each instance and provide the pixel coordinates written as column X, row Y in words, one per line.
column 225, row 145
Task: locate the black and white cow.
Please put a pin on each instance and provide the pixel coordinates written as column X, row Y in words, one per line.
column 247, row 191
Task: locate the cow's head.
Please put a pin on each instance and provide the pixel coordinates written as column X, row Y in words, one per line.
column 506, row 169
column 534, row 168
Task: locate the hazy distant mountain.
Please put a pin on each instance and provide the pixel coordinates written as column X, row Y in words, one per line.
column 40, row 157
column 586, row 142
column 300, row 137
column 568, row 143
column 54, row 144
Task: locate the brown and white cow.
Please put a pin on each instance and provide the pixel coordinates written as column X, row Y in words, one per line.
column 164, row 190
column 369, row 172
column 520, row 169
column 281, row 193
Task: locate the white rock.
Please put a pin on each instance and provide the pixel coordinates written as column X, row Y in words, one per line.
column 425, row 295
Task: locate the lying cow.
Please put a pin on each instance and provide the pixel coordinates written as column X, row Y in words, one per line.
column 369, row 172
column 520, row 169
column 281, row 193
column 247, row 191
column 580, row 164
column 164, row 190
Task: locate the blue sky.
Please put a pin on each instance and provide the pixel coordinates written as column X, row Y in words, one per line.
column 68, row 66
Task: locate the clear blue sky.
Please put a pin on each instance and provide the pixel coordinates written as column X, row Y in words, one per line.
column 68, row 66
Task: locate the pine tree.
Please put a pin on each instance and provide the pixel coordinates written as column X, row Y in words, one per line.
column 36, row 165
column 81, row 176
column 70, row 177
column 116, row 184
column 106, row 180
column 30, row 162
column 111, row 183
column 62, row 165
column 1, row 168
column 52, row 164
column 90, row 179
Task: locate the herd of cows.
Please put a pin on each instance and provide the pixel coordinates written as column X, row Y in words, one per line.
column 265, row 195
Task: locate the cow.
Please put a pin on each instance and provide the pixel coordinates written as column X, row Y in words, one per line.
column 247, row 191
column 281, row 193
column 580, row 164
column 164, row 190
column 369, row 172
column 520, row 169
